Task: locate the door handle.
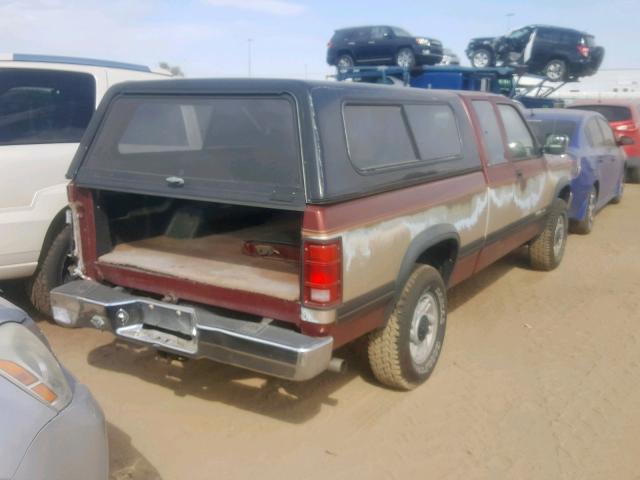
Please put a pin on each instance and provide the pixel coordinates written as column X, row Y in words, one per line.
column 371, row 42
column 175, row 181
column 520, row 175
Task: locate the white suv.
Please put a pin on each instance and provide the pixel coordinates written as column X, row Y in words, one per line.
column 45, row 105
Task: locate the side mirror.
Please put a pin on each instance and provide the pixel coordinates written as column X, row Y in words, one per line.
column 624, row 140
column 556, row 144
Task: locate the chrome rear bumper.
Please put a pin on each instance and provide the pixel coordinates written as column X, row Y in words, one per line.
column 192, row 331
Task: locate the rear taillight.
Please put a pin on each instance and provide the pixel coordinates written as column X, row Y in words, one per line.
column 583, row 50
column 626, row 127
column 330, row 45
column 322, row 273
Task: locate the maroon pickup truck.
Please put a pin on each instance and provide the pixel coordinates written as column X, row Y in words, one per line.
column 265, row 223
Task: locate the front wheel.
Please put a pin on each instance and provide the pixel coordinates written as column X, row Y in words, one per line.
column 53, row 271
column 556, row 70
column 405, row 58
column 481, row 58
column 547, row 249
column 404, row 353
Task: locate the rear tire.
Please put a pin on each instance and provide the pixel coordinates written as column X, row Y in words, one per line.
column 556, row 70
column 345, row 61
column 584, row 226
column 403, row 354
column 618, row 198
column 481, row 58
column 547, row 249
column 53, row 271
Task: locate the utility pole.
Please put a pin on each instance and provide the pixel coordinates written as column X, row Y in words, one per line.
column 509, row 16
column 249, row 42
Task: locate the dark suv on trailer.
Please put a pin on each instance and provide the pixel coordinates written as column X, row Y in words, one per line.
column 381, row 45
column 558, row 53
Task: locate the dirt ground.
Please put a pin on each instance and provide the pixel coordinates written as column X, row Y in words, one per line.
column 539, row 378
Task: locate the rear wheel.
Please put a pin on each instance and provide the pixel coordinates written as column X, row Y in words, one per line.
column 556, row 70
column 618, row 198
column 404, row 353
column 584, row 226
column 547, row 249
column 53, row 271
column 481, row 58
column 345, row 61
column 405, row 58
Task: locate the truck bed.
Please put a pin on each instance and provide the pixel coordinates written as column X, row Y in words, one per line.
column 214, row 260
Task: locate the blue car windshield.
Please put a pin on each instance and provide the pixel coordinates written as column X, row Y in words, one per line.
column 547, row 128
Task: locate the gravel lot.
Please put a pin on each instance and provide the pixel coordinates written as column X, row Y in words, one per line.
column 539, row 378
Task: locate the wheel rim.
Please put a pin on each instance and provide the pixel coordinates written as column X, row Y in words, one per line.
column 554, row 71
column 424, row 328
column 591, row 208
column 345, row 62
column 480, row 59
column 558, row 237
column 405, row 58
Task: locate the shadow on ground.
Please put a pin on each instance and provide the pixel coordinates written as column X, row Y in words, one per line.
column 125, row 462
column 292, row 402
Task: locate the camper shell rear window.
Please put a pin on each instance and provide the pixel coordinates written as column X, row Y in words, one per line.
column 203, row 146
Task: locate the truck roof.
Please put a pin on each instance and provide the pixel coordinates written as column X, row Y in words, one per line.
column 27, row 57
column 215, row 86
column 328, row 170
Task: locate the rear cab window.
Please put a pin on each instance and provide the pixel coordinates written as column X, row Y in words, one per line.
column 44, row 106
column 230, row 146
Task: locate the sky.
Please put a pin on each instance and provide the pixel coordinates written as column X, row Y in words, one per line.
column 210, row 38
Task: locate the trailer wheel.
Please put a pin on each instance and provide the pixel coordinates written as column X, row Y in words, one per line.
column 403, row 354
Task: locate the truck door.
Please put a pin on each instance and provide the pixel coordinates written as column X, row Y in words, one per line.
column 501, row 182
column 532, row 193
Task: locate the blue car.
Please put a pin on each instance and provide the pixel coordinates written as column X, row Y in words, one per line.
column 600, row 161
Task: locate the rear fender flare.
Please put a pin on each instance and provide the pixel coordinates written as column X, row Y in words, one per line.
column 420, row 244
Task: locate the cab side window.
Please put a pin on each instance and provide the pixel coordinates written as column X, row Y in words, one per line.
column 519, row 140
column 490, row 131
